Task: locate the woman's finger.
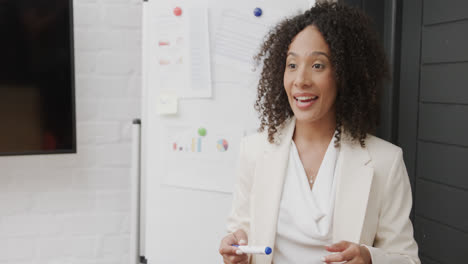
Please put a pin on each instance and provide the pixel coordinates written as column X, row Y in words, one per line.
column 336, row 257
column 229, row 240
column 228, row 250
column 230, row 253
column 353, row 251
column 235, row 259
column 241, row 237
column 353, row 261
column 226, row 245
column 338, row 247
column 348, row 254
column 244, row 262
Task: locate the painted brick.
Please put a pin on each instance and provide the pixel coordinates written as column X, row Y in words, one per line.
column 119, row 15
column 8, row 163
column 125, row 228
column 17, row 249
column 88, row 40
column 92, row 224
column 15, row 203
column 103, row 179
column 126, row 131
column 86, row 14
column 19, row 225
column 115, row 39
column 115, row 155
column 111, row 201
column 64, row 202
column 117, row 63
column 102, row 88
column 134, row 87
column 119, row 109
column 98, row 132
column 84, row 157
column 50, row 248
column 41, row 180
column 85, row 62
column 114, row 245
column 87, row 110
column 50, row 224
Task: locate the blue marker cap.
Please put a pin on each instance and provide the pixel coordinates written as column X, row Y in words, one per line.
column 268, row 250
column 257, row 11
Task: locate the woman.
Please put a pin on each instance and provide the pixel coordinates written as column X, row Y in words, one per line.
column 314, row 184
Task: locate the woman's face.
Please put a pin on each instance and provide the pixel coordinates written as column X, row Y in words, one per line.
column 309, row 79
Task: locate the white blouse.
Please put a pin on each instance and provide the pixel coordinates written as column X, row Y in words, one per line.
column 305, row 215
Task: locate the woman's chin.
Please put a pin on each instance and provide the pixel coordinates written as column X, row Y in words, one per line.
column 305, row 117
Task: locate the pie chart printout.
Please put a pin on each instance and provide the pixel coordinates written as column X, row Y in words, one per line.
column 222, row 145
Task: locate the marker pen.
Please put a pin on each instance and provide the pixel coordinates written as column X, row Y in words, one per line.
column 254, row 250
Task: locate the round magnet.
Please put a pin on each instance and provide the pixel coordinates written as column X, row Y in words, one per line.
column 178, row 11
column 202, row 131
column 257, row 11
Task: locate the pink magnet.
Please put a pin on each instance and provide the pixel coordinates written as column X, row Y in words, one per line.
column 178, row 11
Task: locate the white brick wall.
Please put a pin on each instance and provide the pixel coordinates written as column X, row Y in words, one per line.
column 75, row 208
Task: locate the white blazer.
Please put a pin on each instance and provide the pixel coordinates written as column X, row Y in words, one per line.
column 372, row 204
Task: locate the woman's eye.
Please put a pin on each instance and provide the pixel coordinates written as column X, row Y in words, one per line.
column 292, row 66
column 318, row 66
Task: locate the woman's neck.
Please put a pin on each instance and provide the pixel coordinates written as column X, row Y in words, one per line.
column 314, row 133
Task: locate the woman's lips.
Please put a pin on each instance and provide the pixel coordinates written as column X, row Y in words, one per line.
column 303, row 101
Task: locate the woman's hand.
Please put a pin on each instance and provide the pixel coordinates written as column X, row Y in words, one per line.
column 348, row 252
column 231, row 254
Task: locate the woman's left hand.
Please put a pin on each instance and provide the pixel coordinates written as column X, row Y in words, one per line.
column 348, row 252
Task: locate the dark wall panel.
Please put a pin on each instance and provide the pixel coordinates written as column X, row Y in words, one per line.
column 444, row 123
column 375, row 9
column 444, row 83
column 433, row 124
column 443, row 163
column 445, row 43
column 437, row 11
column 442, row 203
column 441, row 243
column 409, row 83
column 425, row 260
column 355, row 3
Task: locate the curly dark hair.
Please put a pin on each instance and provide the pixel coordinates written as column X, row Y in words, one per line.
column 356, row 55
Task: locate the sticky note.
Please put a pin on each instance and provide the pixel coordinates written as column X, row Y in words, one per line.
column 166, row 104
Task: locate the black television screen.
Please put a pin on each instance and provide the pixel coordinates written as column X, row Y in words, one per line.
column 37, row 112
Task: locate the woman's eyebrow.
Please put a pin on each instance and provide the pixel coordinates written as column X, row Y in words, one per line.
column 316, row 53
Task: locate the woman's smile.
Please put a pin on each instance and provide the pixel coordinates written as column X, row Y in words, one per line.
column 305, row 100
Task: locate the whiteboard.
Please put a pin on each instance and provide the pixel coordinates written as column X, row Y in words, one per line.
column 185, row 213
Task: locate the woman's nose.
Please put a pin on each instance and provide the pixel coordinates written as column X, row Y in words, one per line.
column 303, row 78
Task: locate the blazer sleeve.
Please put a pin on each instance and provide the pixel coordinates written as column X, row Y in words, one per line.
column 239, row 218
column 394, row 242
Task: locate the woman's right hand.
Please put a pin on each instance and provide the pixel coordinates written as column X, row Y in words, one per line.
column 231, row 254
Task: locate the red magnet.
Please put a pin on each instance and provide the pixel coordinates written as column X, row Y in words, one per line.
column 178, row 11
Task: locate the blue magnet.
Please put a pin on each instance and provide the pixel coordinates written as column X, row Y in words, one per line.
column 257, row 12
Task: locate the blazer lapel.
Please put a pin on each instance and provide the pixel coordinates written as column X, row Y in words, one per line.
column 270, row 175
column 352, row 191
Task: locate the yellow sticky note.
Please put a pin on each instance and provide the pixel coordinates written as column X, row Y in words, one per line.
column 166, row 104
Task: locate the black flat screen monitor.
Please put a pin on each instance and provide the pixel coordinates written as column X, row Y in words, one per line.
column 37, row 111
